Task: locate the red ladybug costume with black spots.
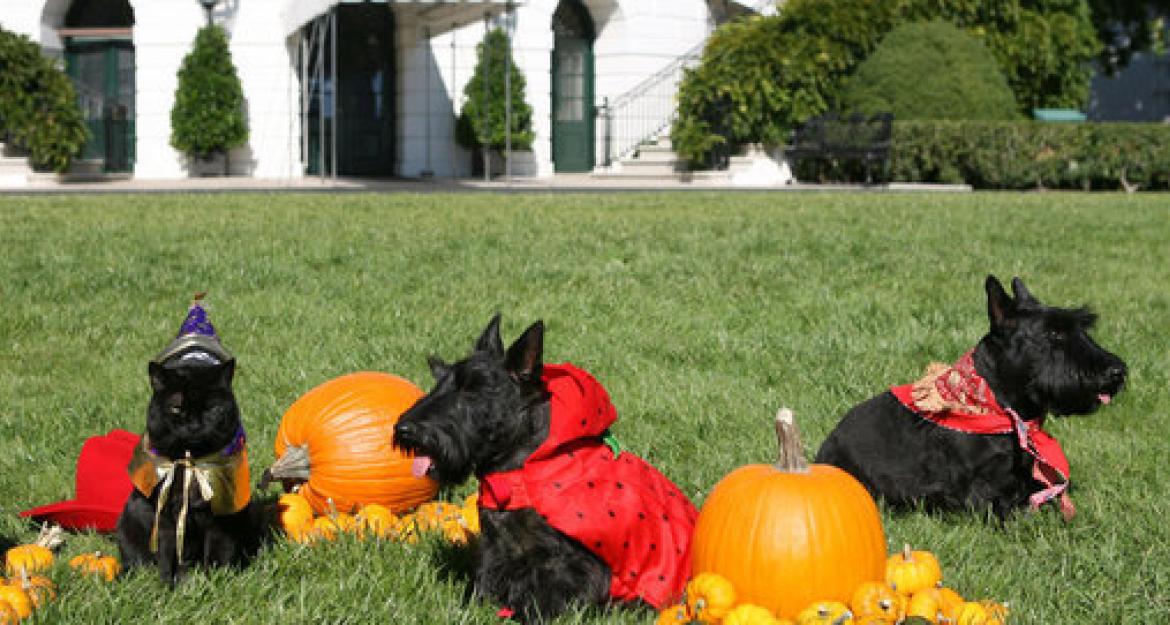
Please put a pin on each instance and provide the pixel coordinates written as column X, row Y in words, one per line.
column 615, row 504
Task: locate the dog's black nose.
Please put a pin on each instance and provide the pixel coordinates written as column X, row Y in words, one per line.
column 1116, row 373
column 403, row 430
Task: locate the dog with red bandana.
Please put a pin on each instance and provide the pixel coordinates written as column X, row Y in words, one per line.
column 970, row 435
column 566, row 515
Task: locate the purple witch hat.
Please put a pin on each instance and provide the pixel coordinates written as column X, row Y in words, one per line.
column 196, row 338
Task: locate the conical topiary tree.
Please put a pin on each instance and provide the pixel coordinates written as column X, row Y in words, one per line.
column 208, row 117
column 482, row 121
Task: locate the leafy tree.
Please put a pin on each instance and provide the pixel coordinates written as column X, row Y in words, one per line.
column 1129, row 26
column 482, row 120
column 930, row 70
column 1043, row 48
column 38, row 105
column 208, row 116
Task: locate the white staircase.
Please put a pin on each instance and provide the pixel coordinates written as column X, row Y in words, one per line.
column 14, row 169
column 657, row 162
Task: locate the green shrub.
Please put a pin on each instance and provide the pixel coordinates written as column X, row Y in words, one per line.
column 483, row 118
column 787, row 68
column 930, row 70
column 38, row 105
column 1031, row 155
column 208, row 116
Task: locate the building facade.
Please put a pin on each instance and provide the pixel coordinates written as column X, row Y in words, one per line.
column 357, row 87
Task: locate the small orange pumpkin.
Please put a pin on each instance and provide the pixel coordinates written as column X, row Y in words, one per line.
column 825, row 613
column 434, row 515
column 376, row 520
column 910, row 571
column 40, row 589
column 709, row 597
column 471, row 513
column 750, row 614
column 8, row 615
column 96, row 565
column 36, row 556
column 948, row 604
column 997, row 612
column 791, row 533
column 971, row 613
column 926, row 603
column 337, row 441
column 295, row 513
column 17, row 598
column 879, row 599
column 676, row 614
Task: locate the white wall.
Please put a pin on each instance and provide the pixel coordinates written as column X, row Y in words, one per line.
column 634, row 39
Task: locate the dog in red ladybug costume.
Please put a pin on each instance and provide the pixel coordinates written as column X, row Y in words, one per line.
column 566, row 516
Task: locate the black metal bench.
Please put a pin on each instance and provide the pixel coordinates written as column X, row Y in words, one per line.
column 856, row 137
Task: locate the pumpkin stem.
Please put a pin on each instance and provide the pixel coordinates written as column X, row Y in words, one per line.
column 293, row 465
column 788, row 436
column 906, row 555
column 51, row 536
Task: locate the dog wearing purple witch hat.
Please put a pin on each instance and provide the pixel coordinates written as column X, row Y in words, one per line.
column 191, row 499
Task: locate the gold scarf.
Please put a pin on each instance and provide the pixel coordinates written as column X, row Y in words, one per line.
column 222, row 479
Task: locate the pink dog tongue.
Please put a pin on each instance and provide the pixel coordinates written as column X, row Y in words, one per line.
column 1104, row 399
column 420, row 465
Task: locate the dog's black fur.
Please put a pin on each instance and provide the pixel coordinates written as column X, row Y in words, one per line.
column 488, row 413
column 1036, row 359
column 192, row 409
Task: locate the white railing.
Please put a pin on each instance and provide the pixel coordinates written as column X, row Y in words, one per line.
column 643, row 112
column 650, row 107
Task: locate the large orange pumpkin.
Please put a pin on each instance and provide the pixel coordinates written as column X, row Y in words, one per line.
column 789, row 534
column 337, row 441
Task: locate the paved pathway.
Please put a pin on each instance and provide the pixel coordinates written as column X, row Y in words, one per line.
column 557, row 183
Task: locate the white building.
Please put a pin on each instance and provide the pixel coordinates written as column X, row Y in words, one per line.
column 399, row 67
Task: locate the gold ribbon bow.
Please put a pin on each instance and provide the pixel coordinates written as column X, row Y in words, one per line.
column 222, row 481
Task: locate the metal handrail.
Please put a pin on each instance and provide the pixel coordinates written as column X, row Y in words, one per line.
column 645, row 110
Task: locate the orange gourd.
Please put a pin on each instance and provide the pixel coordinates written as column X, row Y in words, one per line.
column 40, row 589
column 337, row 441
column 910, row 571
column 295, row 513
column 376, row 520
column 17, row 598
column 36, row 556
column 750, row 614
column 926, row 604
column 673, row 615
column 876, row 598
column 8, row 615
column 709, row 597
column 825, row 613
column 949, row 602
column 96, row 565
column 791, row 533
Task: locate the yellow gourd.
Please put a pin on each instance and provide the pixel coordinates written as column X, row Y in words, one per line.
column 36, row 556
column 825, row 613
column 709, row 597
column 910, row 571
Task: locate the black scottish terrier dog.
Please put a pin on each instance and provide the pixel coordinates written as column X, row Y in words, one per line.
column 566, row 517
column 191, row 502
column 969, row 436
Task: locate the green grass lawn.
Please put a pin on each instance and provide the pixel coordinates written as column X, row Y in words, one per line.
column 701, row 313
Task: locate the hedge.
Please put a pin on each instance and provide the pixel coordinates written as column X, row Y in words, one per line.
column 1032, row 155
column 1018, row 155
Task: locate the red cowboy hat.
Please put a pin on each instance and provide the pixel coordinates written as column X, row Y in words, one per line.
column 102, row 485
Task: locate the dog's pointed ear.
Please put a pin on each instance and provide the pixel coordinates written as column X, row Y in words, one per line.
column 225, row 373
column 157, row 376
column 438, row 367
column 490, row 341
column 1023, row 296
column 1000, row 307
column 524, row 356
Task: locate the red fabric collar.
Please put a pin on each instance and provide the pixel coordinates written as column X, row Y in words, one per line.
column 958, row 398
column 617, row 506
